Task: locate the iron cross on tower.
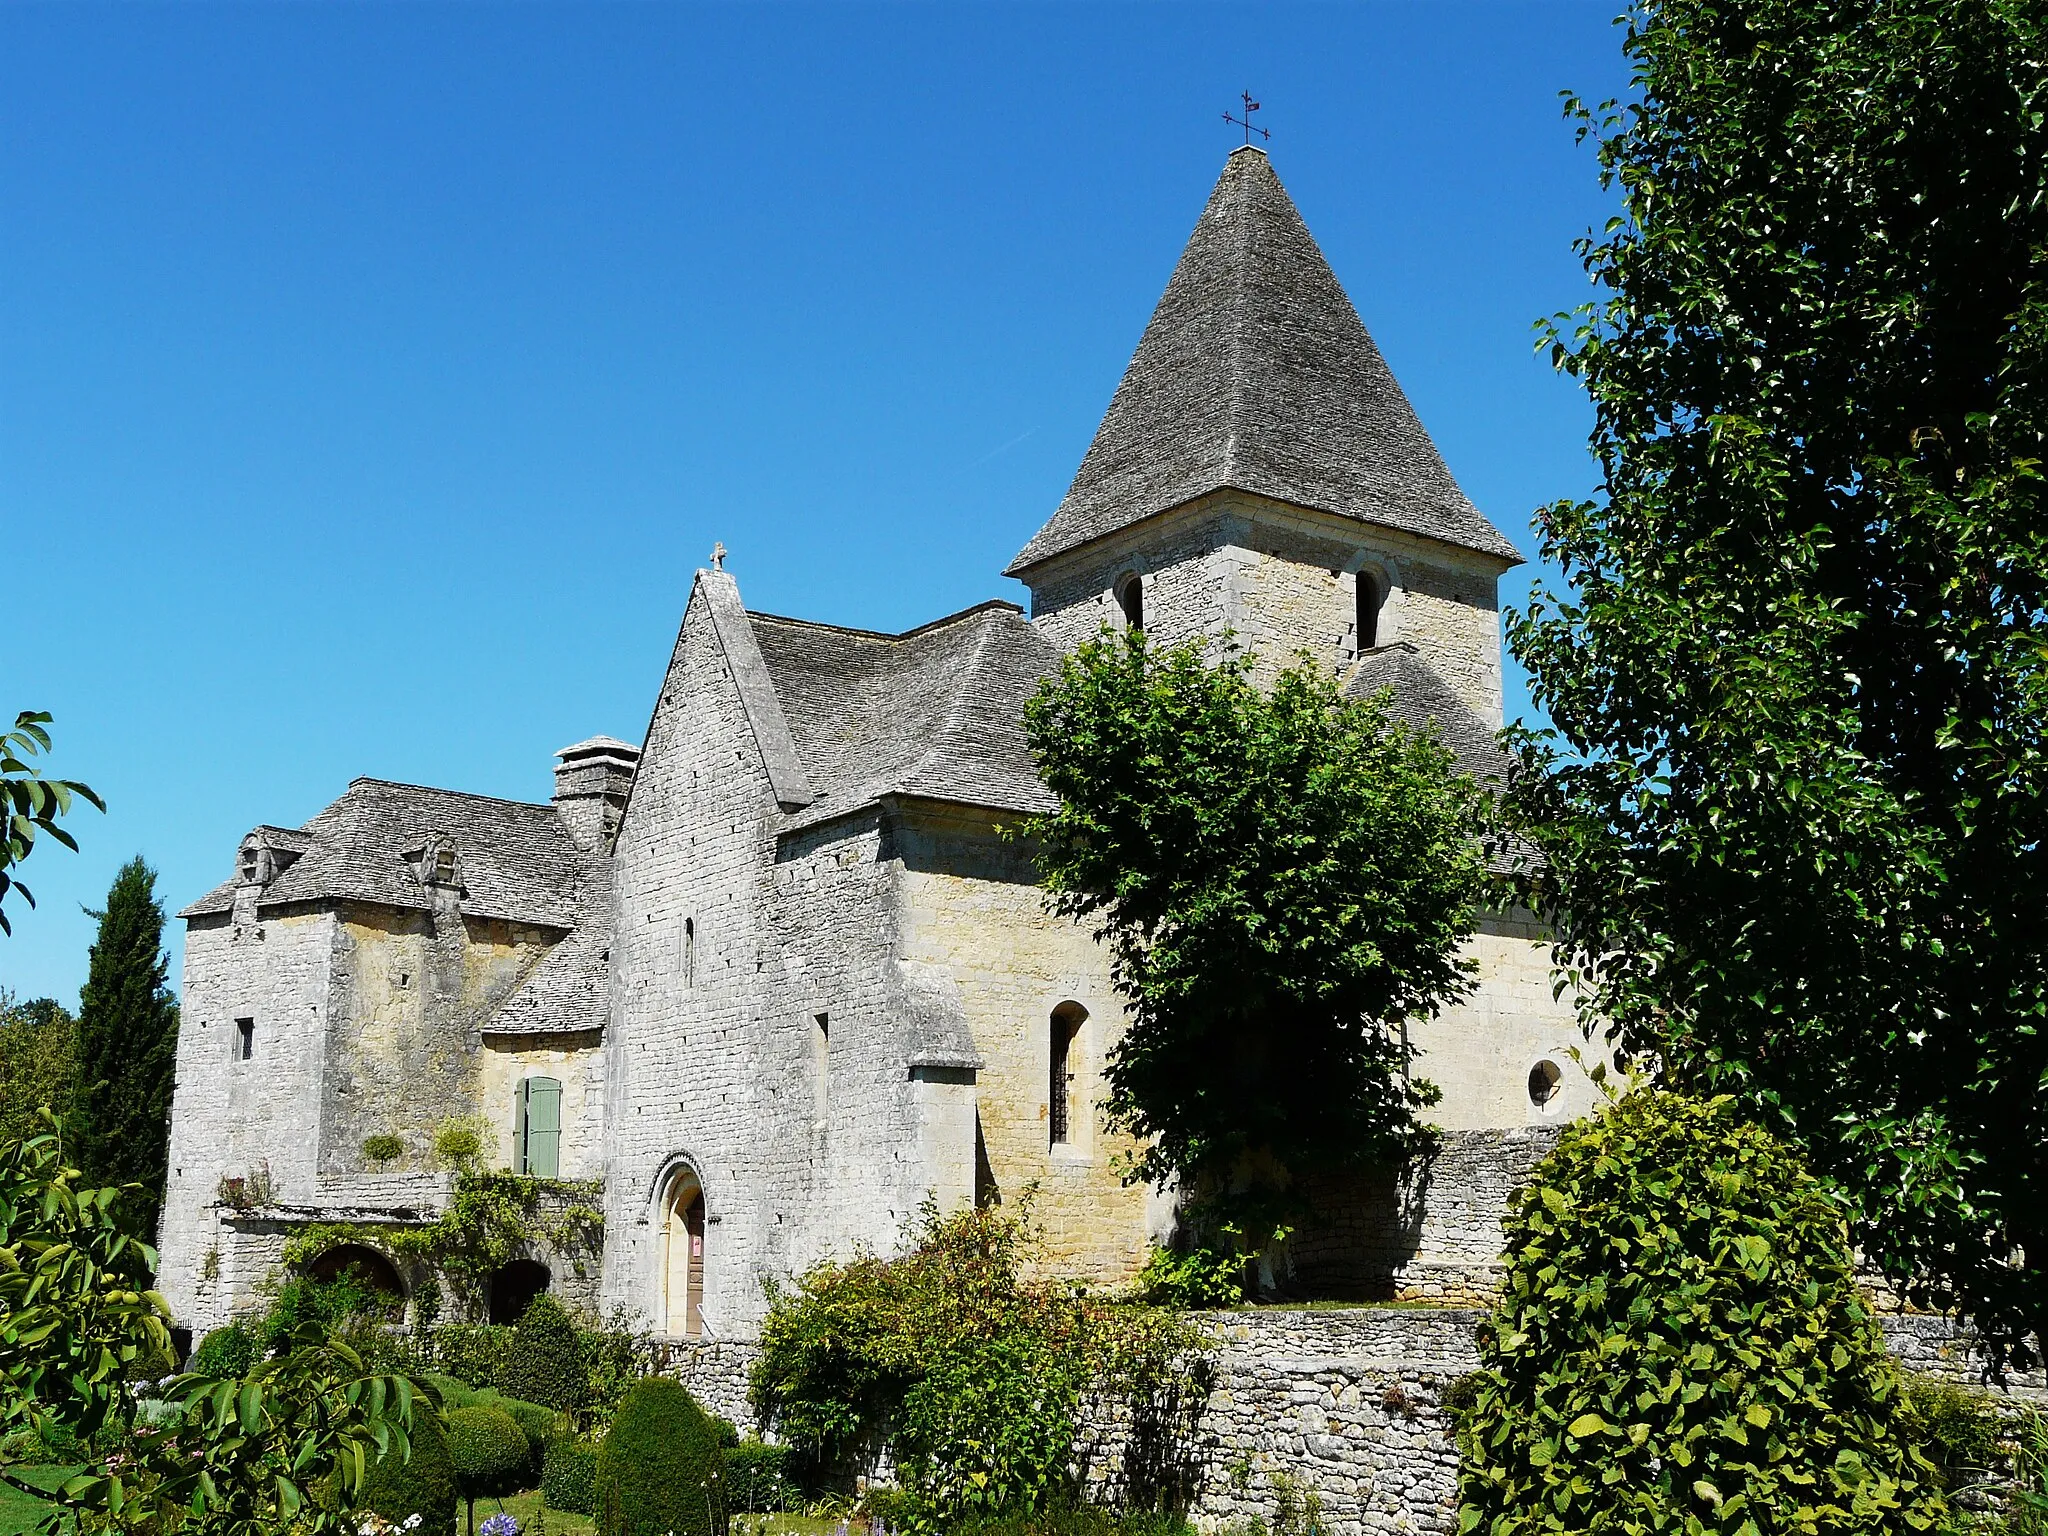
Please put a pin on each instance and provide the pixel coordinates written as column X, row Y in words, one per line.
column 1245, row 122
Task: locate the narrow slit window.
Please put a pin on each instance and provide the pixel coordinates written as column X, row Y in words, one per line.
column 245, row 1039
column 821, row 1063
column 1372, row 597
column 1130, row 597
column 689, row 951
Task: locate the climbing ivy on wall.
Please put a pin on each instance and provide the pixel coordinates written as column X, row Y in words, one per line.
column 492, row 1217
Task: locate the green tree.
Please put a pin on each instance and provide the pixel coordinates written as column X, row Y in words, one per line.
column 127, row 1044
column 1283, row 879
column 1680, row 1346
column 74, row 1311
column 1795, row 809
column 30, row 803
column 38, row 1063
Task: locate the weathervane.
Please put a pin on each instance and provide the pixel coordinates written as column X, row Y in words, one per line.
column 1245, row 122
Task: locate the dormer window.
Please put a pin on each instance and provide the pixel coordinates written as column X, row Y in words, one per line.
column 436, row 863
column 1130, row 597
column 263, row 858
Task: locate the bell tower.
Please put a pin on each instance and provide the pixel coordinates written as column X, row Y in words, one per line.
column 1260, row 472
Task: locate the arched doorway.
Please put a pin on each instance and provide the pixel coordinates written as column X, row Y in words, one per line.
column 682, row 1257
column 513, row 1288
column 366, row 1266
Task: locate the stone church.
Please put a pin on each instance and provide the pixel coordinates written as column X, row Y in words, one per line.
column 773, row 977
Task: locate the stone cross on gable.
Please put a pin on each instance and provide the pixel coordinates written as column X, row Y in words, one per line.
column 718, row 557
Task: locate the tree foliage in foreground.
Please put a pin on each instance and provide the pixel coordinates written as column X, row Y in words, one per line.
column 76, row 1312
column 1795, row 812
column 1283, row 879
column 127, row 1045
column 31, row 804
column 1681, row 1347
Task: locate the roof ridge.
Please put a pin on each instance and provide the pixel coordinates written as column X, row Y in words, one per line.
column 436, row 789
column 882, row 634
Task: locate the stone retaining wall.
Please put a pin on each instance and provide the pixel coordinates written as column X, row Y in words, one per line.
column 1344, row 1404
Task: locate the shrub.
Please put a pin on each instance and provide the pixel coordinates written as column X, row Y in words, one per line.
column 471, row 1351
column 1954, row 1428
column 459, row 1143
column 1201, row 1277
column 398, row 1487
column 658, row 1469
column 454, row 1393
column 757, row 1479
column 343, row 1304
column 951, row 1360
column 538, row 1423
column 1680, row 1345
column 382, row 1148
column 225, row 1352
column 568, row 1477
column 544, row 1363
column 990, row 1427
column 489, row 1450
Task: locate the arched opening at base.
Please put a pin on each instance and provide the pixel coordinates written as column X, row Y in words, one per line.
column 682, row 1259
column 366, row 1266
column 513, row 1288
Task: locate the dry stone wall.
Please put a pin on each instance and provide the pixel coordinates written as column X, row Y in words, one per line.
column 1344, row 1405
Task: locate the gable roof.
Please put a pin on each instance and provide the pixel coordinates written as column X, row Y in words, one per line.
column 517, row 861
column 1256, row 373
column 936, row 712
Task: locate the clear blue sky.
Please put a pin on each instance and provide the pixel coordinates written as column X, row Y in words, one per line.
column 373, row 377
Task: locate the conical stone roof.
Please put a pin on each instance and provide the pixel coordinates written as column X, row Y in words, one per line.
column 1256, row 373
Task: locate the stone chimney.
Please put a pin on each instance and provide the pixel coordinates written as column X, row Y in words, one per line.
column 591, row 783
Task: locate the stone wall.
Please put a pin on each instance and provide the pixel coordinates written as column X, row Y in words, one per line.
column 973, row 913
column 1345, row 1404
column 255, row 1120
column 1284, row 580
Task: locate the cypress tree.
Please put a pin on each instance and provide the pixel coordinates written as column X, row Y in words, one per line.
column 127, row 1045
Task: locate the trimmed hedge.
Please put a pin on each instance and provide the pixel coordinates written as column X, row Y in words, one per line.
column 472, row 1351
column 423, row 1484
column 757, row 1479
column 490, row 1451
column 454, row 1393
column 658, row 1470
column 225, row 1352
column 544, row 1363
column 568, row 1477
column 539, row 1424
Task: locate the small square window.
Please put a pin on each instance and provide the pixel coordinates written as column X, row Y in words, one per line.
column 245, row 1039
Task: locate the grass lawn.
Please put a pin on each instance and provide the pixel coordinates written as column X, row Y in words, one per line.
column 19, row 1513
column 524, row 1506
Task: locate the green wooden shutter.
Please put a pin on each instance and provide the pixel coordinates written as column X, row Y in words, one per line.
column 540, row 1127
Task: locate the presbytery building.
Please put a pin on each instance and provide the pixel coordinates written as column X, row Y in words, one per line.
column 772, row 979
